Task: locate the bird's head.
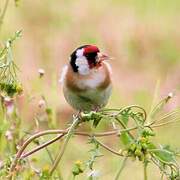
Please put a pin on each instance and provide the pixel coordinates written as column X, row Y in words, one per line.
column 85, row 58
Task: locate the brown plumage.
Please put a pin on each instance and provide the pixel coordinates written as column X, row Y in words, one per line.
column 87, row 79
column 72, row 79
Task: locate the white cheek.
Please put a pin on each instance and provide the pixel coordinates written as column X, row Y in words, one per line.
column 79, row 52
column 83, row 66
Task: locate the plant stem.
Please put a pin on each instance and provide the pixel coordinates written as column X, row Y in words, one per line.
column 145, row 170
column 121, row 168
column 69, row 134
column 42, row 146
column 166, row 123
column 134, row 106
column 108, row 148
column 3, row 13
column 58, row 131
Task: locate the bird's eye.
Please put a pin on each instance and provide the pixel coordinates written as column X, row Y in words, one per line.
column 91, row 56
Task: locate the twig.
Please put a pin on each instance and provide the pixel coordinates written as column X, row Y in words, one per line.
column 57, row 131
column 42, row 146
column 133, row 106
column 121, row 168
column 108, row 148
column 125, row 127
column 122, row 109
column 173, row 113
column 165, row 123
column 27, row 142
column 69, row 134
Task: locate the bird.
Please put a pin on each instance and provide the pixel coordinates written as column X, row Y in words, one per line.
column 86, row 79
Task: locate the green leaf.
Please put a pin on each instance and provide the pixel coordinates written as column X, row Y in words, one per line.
column 125, row 137
column 164, row 155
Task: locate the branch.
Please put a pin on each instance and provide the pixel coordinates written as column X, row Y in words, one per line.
column 62, row 133
column 42, row 146
column 134, row 106
column 70, row 132
column 108, row 148
column 166, row 123
column 28, row 141
column 168, row 115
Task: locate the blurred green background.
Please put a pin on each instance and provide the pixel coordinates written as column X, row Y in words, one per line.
column 143, row 36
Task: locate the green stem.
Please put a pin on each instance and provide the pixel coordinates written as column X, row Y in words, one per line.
column 108, row 148
column 145, row 170
column 69, row 134
column 166, row 123
column 121, row 168
column 3, row 13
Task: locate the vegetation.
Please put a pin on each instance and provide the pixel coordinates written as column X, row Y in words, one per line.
column 94, row 143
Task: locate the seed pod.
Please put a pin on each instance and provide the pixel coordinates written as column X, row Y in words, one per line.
column 138, row 152
column 141, row 158
column 132, row 147
column 144, row 146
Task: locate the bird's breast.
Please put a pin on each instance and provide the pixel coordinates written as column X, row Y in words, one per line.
column 97, row 78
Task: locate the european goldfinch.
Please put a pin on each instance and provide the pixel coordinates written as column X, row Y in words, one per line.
column 87, row 79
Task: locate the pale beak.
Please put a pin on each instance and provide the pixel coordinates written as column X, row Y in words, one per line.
column 102, row 57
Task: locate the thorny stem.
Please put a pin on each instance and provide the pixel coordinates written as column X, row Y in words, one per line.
column 121, row 110
column 29, row 140
column 61, row 135
column 69, row 134
column 121, row 168
column 33, row 137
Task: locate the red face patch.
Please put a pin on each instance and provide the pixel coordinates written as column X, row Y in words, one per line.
column 91, row 49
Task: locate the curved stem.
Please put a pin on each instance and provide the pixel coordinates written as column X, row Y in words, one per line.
column 42, row 146
column 69, row 134
column 28, row 141
column 134, row 106
column 122, row 109
column 108, row 148
column 57, row 131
